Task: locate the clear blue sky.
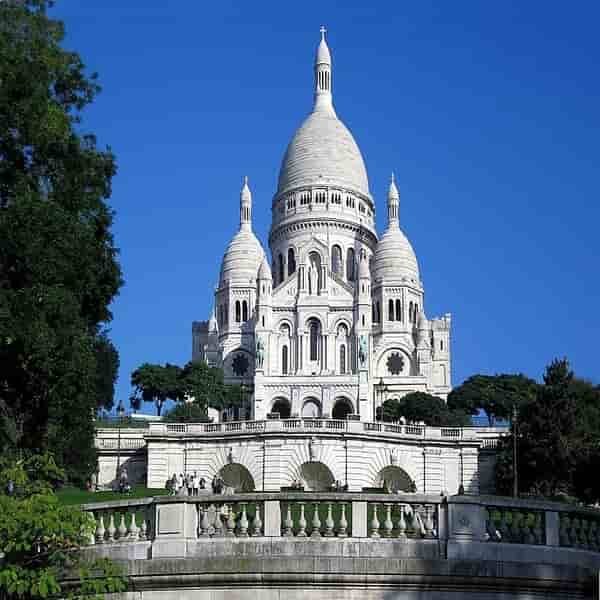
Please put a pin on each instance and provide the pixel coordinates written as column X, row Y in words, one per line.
column 487, row 112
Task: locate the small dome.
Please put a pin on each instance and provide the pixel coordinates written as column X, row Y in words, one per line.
column 323, row 152
column 395, row 258
column 242, row 259
column 264, row 272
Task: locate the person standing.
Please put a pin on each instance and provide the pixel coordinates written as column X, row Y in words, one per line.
column 196, row 483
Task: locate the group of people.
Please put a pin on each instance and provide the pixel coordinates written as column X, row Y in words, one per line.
column 191, row 484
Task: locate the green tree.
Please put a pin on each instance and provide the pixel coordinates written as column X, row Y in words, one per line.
column 40, row 539
column 157, row 384
column 58, row 263
column 186, row 412
column 418, row 407
column 495, row 394
column 558, row 439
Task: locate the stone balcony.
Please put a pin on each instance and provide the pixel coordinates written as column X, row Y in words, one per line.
column 324, row 545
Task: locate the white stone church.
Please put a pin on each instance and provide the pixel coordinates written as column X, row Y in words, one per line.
column 320, row 339
column 337, row 324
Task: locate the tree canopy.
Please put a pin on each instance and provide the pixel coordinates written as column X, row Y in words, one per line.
column 196, row 380
column 40, row 538
column 495, row 394
column 558, row 438
column 418, row 407
column 58, row 262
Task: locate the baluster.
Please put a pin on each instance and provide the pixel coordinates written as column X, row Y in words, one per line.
column 527, row 526
column 122, row 529
column 329, row 524
column 204, row 521
column 401, row 523
column 538, row 532
column 92, row 530
column 133, row 531
column 593, row 540
column 429, row 524
column 343, row 524
column 565, row 527
column 411, row 525
column 374, row 523
column 219, row 525
column 388, row 526
column 301, row 522
column 111, row 528
column 230, row 522
column 100, row 530
column 257, row 522
column 515, row 530
column 573, row 534
column 144, row 526
column 243, row 524
column 504, row 529
column 316, row 522
column 583, row 537
column 288, row 524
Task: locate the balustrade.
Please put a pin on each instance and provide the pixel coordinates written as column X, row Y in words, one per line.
column 230, row 519
column 120, row 524
column 579, row 531
column 402, row 520
column 321, row 518
column 515, row 525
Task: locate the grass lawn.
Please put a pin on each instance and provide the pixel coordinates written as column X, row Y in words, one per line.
column 70, row 495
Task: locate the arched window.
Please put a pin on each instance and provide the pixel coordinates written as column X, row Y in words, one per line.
column 343, row 359
column 378, row 312
column 244, row 311
column 314, row 328
column 391, row 310
column 336, row 260
column 281, row 271
column 398, row 311
column 238, row 313
column 291, row 261
column 350, row 260
column 415, row 313
column 374, row 314
column 315, row 282
column 284, row 360
column 410, row 312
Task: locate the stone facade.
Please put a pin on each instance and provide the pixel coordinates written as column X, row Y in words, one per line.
column 336, row 323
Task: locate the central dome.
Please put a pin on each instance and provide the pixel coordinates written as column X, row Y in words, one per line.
column 323, row 152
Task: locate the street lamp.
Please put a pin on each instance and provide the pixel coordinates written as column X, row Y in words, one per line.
column 120, row 414
column 515, row 424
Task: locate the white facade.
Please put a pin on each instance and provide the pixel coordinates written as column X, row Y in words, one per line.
column 337, row 325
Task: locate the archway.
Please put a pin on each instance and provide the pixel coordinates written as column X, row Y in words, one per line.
column 237, row 477
column 282, row 406
column 342, row 408
column 396, row 479
column 311, row 408
column 316, row 476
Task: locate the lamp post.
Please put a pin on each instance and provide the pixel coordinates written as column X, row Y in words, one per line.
column 120, row 414
column 515, row 424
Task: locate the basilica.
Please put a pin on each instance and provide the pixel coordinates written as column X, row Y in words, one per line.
column 334, row 324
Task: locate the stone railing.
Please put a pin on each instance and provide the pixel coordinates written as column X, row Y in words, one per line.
column 318, row 425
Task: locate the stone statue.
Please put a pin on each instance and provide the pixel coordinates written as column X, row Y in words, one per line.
column 362, row 350
column 260, row 353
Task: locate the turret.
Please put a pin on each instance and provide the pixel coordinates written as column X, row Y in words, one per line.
column 264, row 282
column 393, row 204
column 323, row 96
column 245, row 207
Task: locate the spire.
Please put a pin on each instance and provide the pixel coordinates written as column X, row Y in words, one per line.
column 323, row 98
column 212, row 322
column 393, row 204
column 245, row 206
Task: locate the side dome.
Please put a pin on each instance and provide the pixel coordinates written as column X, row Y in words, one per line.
column 244, row 253
column 395, row 259
column 242, row 259
column 323, row 152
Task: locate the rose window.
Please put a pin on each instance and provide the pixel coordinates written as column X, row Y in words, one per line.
column 395, row 363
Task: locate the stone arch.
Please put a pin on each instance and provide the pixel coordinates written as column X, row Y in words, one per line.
column 237, row 477
column 282, row 406
column 311, row 407
column 393, row 455
column 316, row 476
column 342, row 407
column 395, row 478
